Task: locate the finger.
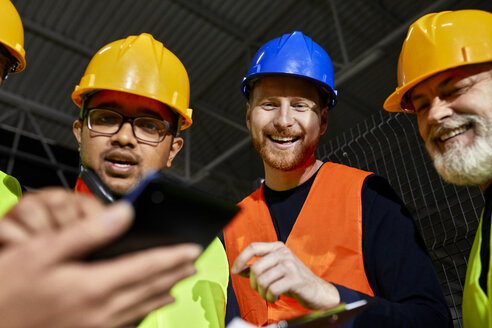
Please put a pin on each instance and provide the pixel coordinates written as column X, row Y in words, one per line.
column 153, row 289
column 89, row 211
column 31, row 214
column 269, row 261
column 266, row 279
column 65, row 207
column 245, row 273
column 12, row 232
column 135, row 314
column 279, row 287
column 271, row 297
column 253, row 249
column 136, row 267
column 81, row 237
column 252, row 280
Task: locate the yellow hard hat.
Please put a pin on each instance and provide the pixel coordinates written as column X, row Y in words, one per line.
column 12, row 33
column 139, row 65
column 437, row 42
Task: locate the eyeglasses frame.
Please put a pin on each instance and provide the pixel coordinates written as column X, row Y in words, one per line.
column 131, row 121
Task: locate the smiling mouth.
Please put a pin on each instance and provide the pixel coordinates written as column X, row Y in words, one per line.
column 453, row 133
column 121, row 163
column 280, row 139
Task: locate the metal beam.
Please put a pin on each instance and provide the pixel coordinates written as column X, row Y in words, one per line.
column 338, row 28
column 204, row 171
column 361, row 63
column 38, row 160
column 237, row 53
column 36, row 108
column 376, row 52
column 23, row 133
column 6, row 115
column 47, row 149
column 221, row 22
column 205, row 109
column 57, row 38
column 15, row 144
column 358, row 66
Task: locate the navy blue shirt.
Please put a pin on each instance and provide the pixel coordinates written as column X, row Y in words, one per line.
column 398, row 267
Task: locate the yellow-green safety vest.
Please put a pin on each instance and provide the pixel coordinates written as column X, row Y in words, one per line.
column 476, row 304
column 10, row 191
column 200, row 300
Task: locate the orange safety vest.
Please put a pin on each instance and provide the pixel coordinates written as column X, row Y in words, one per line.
column 327, row 238
column 81, row 187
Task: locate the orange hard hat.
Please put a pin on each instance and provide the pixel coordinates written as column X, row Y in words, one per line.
column 438, row 42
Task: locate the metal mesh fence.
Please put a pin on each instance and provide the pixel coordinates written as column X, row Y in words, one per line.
column 447, row 216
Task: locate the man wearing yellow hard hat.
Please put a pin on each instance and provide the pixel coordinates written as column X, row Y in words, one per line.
column 12, row 60
column 133, row 101
column 445, row 78
column 43, row 281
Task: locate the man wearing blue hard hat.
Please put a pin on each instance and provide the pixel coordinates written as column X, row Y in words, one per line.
column 317, row 234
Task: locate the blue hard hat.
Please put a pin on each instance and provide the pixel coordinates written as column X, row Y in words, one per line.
column 293, row 54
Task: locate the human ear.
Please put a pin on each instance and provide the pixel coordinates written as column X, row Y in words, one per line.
column 323, row 120
column 248, row 115
column 77, row 131
column 176, row 145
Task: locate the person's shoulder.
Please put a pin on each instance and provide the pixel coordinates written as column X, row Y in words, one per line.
column 255, row 196
column 378, row 187
column 344, row 174
column 343, row 167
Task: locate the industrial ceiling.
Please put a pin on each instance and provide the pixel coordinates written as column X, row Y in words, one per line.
column 216, row 40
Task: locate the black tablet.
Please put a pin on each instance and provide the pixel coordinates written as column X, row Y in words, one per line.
column 168, row 212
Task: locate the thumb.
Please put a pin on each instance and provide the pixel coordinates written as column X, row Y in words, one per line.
column 83, row 236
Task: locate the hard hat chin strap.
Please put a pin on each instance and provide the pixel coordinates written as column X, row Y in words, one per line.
column 96, row 185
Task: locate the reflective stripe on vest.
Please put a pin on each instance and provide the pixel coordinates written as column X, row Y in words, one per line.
column 476, row 304
column 200, row 300
column 327, row 238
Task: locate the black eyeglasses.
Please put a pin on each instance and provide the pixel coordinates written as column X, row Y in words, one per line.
column 106, row 121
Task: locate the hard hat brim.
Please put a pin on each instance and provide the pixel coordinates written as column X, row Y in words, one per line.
column 19, row 55
column 248, row 83
column 393, row 102
column 78, row 99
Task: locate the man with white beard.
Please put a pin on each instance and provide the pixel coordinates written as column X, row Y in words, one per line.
column 445, row 78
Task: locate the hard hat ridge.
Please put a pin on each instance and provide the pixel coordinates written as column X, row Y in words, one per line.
column 139, row 65
column 437, row 42
column 293, row 54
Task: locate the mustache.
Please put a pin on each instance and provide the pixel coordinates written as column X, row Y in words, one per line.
column 458, row 121
column 121, row 152
column 283, row 132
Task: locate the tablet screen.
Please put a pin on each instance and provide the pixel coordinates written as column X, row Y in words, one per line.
column 168, row 212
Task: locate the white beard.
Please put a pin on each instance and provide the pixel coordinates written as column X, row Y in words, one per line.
column 465, row 165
